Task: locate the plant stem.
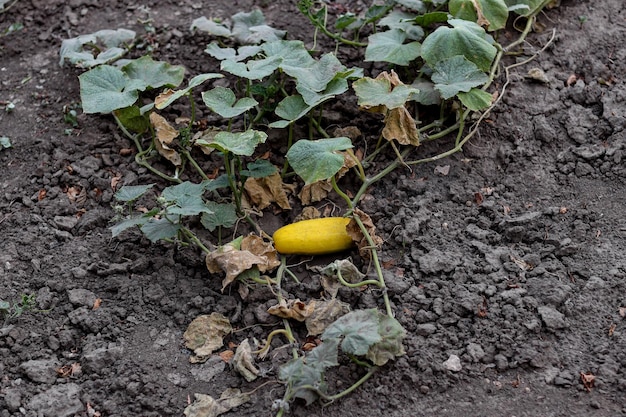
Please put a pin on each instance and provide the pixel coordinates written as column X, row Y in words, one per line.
column 191, row 236
column 357, row 284
column 341, row 193
column 193, row 163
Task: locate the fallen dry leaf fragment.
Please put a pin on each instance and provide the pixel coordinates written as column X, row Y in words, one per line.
column 588, row 380
column 292, row 309
column 226, row 355
column 329, row 280
column 571, row 80
column 243, row 363
column 96, row 304
column 262, row 192
column 42, row 194
column 115, row 181
column 165, row 135
column 622, row 311
column 205, row 334
column 400, row 125
column 317, row 191
column 207, row 406
column 442, row 170
column 308, row 213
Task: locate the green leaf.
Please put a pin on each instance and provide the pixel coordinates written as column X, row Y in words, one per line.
column 376, row 92
column 389, row 46
column 133, row 119
column 222, row 101
column 259, row 169
column 427, row 95
column 252, row 70
column 194, row 82
column 358, row 329
column 175, row 192
column 219, row 182
column 242, row 53
column 154, row 74
column 317, row 76
column 210, row 26
column 104, row 89
column 114, row 41
column 334, row 88
column 298, row 374
column 5, row 142
column 189, row 205
column 222, row 215
column 345, row 20
column 403, row 21
column 128, row 223
column 476, row 99
column 292, row 53
column 315, row 160
column 415, row 5
column 240, row 143
column 157, row 229
column 324, row 356
column 457, row 74
column 291, row 108
column 250, row 28
column 131, row 192
column 494, row 11
column 528, row 8
column 428, row 19
column 390, row 346
column 464, row 38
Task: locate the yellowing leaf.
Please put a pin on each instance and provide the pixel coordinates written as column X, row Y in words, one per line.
column 262, row 192
column 205, row 334
column 325, row 313
column 292, row 309
column 165, row 135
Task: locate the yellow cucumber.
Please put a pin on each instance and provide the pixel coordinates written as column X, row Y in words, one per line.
column 313, row 237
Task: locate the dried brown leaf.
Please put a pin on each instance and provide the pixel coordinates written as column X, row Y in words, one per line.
column 163, row 97
column 355, row 233
column 308, row 213
column 292, row 309
column 351, row 132
column 262, row 192
column 324, row 314
column 400, row 125
column 207, row 406
column 243, row 363
column 165, row 135
column 317, row 191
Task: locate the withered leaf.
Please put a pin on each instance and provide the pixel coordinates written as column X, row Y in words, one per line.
column 205, row 334
column 355, row 233
column 317, row 191
column 165, row 135
column 243, row 363
column 348, row 270
column 325, row 313
column 400, row 125
column 207, row 406
column 292, row 309
column 308, row 213
column 254, row 252
column 262, row 192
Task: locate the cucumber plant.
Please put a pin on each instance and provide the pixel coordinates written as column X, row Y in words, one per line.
column 445, row 51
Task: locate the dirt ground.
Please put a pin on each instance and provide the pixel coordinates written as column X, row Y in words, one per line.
column 513, row 261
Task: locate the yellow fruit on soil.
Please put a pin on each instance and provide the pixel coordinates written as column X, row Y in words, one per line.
column 313, row 237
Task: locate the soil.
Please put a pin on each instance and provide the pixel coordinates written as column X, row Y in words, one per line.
column 513, row 260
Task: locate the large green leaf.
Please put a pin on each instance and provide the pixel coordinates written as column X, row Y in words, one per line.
column 495, row 12
column 222, row 215
column 316, row 160
column 106, row 88
column 293, row 53
column 240, row 54
column 240, row 143
column 389, row 47
column 464, row 38
column 313, row 98
column 115, row 46
column 252, row 70
column 457, row 74
column 210, row 26
column 291, row 108
column 317, row 76
column 154, row 74
column 127, row 224
column 357, row 330
column 185, row 199
column 250, row 28
column 259, row 169
column 376, row 92
column 324, row 356
column 223, row 101
column 403, row 21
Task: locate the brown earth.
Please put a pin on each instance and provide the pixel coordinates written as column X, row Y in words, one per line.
column 513, row 261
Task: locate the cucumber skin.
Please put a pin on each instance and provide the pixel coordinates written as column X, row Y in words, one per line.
column 313, row 237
